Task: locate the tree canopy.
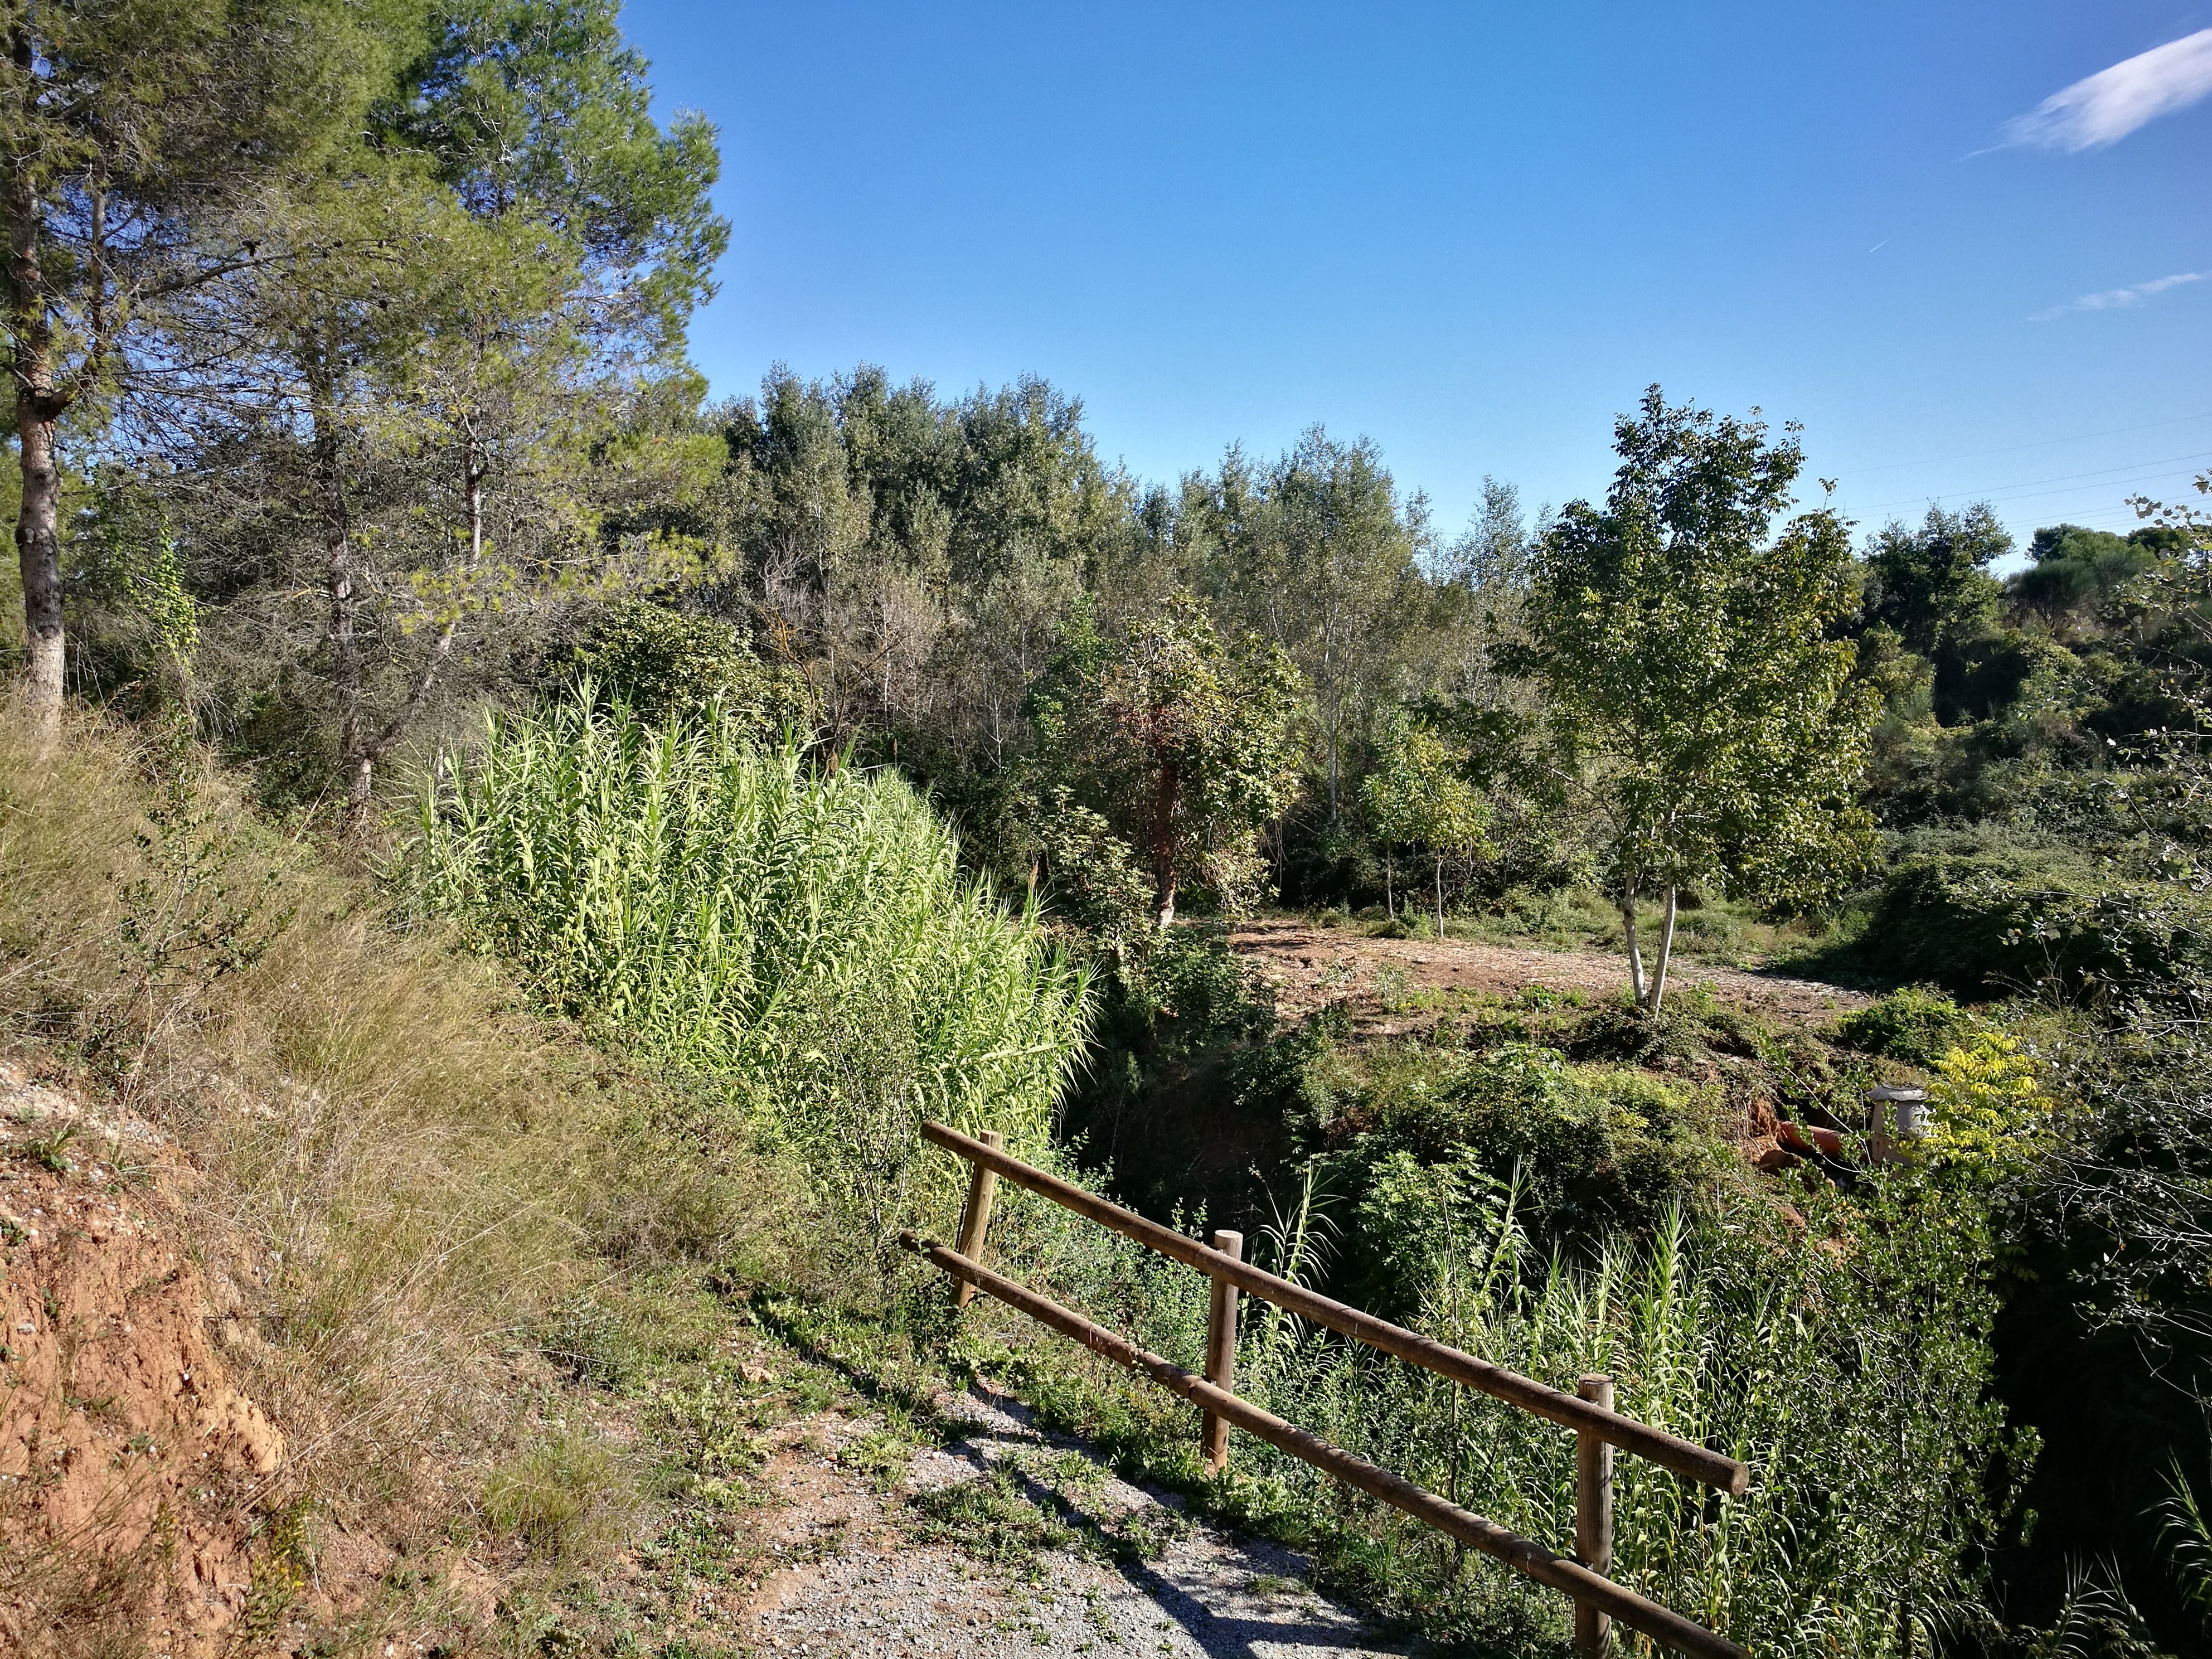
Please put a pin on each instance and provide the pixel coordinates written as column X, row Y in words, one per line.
column 1685, row 647
column 1182, row 742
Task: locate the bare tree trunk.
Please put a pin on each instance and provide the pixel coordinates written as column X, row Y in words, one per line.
column 1390, row 899
column 1440, row 897
column 38, row 554
column 1163, row 839
column 38, row 407
column 1635, row 955
column 373, row 749
column 1665, row 955
column 355, row 763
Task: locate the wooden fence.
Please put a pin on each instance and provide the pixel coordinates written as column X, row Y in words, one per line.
column 1598, row 1428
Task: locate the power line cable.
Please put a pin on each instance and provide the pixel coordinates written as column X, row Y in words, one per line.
column 2014, row 449
column 2002, row 491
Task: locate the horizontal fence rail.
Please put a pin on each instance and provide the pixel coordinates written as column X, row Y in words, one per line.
column 1668, row 1451
column 1524, row 1555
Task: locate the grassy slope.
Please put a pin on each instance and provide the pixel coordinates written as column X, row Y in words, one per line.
column 460, row 1209
column 532, row 1313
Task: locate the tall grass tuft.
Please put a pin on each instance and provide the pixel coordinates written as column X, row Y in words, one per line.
column 808, row 938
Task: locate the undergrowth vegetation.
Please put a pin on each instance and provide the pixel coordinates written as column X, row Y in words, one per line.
column 411, row 1179
column 1843, row 1355
column 441, row 1180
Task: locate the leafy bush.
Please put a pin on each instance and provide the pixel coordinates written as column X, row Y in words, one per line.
column 809, row 941
column 664, row 662
column 1916, row 1025
column 1989, row 1116
column 1589, row 1148
column 1984, row 921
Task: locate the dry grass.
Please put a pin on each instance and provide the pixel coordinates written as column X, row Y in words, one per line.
column 405, row 1176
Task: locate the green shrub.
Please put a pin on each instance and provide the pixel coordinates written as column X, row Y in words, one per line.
column 1587, row 1147
column 1982, row 921
column 664, row 662
column 1916, row 1025
column 1707, row 927
column 810, row 940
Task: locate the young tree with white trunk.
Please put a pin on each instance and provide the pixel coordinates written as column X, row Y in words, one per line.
column 1683, row 642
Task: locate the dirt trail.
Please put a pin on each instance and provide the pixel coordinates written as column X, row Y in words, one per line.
column 858, row 1582
column 1311, row 967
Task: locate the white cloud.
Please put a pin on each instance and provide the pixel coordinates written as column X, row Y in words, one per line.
column 2112, row 103
column 2115, row 299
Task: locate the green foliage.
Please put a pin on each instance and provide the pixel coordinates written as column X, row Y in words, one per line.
column 1933, row 585
column 1418, row 793
column 1990, row 1118
column 541, row 106
column 2108, row 1324
column 1183, row 743
column 2077, row 570
column 1916, row 1025
column 808, row 939
column 1095, row 877
column 1316, row 553
column 1587, row 1148
column 667, row 663
column 1987, row 917
column 1686, row 653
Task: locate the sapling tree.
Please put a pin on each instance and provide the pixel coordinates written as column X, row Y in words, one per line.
column 1185, row 745
column 1683, row 642
column 1418, row 794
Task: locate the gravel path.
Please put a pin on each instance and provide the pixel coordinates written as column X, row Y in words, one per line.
column 859, row 1583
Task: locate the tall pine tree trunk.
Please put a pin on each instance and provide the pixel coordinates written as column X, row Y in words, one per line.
column 355, row 765
column 37, row 406
column 38, row 553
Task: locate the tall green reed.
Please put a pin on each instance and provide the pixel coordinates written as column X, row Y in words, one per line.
column 1842, row 1353
column 805, row 937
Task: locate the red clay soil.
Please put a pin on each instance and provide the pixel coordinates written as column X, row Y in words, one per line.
column 1311, row 967
column 129, row 1463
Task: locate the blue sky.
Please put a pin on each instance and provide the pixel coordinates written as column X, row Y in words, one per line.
column 1475, row 232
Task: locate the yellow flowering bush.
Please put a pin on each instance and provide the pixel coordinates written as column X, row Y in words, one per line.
column 1986, row 1112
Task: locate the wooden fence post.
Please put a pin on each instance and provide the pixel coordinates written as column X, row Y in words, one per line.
column 1221, row 1351
column 1593, row 1514
column 976, row 1218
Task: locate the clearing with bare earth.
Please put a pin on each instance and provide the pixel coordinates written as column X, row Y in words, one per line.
column 1396, row 985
